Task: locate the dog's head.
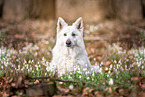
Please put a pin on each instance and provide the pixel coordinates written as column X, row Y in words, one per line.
column 70, row 36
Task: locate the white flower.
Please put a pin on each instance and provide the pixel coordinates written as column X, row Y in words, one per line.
column 88, row 78
column 69, row 76
column 111, row 81
column 94, row 59
column 87, row 72
column 106, row 68
column 71, row 87
column 84, row 69
column 93, row 74
column 111, row 66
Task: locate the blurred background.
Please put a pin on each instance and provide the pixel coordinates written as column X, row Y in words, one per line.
column 90, row 10
column 114, row 35
column 106, row 21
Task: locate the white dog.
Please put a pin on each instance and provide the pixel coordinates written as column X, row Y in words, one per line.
column 69, row 49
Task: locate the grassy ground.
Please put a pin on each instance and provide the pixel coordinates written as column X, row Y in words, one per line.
column 119, row 56
column 120, row 69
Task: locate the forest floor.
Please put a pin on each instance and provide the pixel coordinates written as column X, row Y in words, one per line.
column 115, row 46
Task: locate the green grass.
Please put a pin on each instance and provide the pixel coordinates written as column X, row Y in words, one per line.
column 34, row 61
column 2, row 35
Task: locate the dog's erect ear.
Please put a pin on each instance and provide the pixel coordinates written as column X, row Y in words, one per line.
column 79, row 24
column 60, row 24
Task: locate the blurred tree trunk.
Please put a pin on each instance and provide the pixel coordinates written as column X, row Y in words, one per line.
column 1, row 7
column 15, row 9
column 94, row 10
column 90, row 10
column 130, row 10
column 21, row 9
column 43, row 9
column 143, row 7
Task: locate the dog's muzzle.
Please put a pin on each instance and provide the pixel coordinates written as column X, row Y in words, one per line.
column 68, row 43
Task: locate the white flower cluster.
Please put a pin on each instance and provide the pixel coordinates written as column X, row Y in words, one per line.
column 10, row 59
column 5, row 56
column 92, row 28
column 115, row 49
column 30, row 48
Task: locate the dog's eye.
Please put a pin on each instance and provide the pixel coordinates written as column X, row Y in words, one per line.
column 65, row 34
column 73, row 34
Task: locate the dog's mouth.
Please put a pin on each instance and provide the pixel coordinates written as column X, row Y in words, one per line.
column 68, row 45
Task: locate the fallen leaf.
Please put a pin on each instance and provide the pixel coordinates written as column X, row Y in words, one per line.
column 97, row 94
column 99, row 58
column 143, row 86
column 107, row 63
column 121, row 91
column 36, row 82
column 10, row 80
column 85, row 91
column 13, row 84
column 5, row 94
column 125, row 36
column 135, row 79
column 92, row 50
column 62, row 88
column 110, row 90
column 91, row 90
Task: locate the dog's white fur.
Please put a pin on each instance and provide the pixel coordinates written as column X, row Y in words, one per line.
column 63, row 57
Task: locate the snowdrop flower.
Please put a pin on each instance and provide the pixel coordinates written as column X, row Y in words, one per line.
column 79, row 72
column 88, row 78
column 93, row 74
column 2, row 67
column 111, row 81
column 101, row 64
column 111, row 66
column 84, row 69
column 36, row 67
column 107, row 75
column 79, row 68
column 46, row 42
column 45, row 74
column 71, row 87
column 125, row 67
column 87, row 72
column 100, row 70
column 69, row 76
column 94, row 59
column 115, row 61
column 106, row 68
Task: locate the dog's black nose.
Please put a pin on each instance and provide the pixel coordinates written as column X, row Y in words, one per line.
column 68, row 43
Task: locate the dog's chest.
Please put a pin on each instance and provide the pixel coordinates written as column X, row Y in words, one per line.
column 67, row 56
